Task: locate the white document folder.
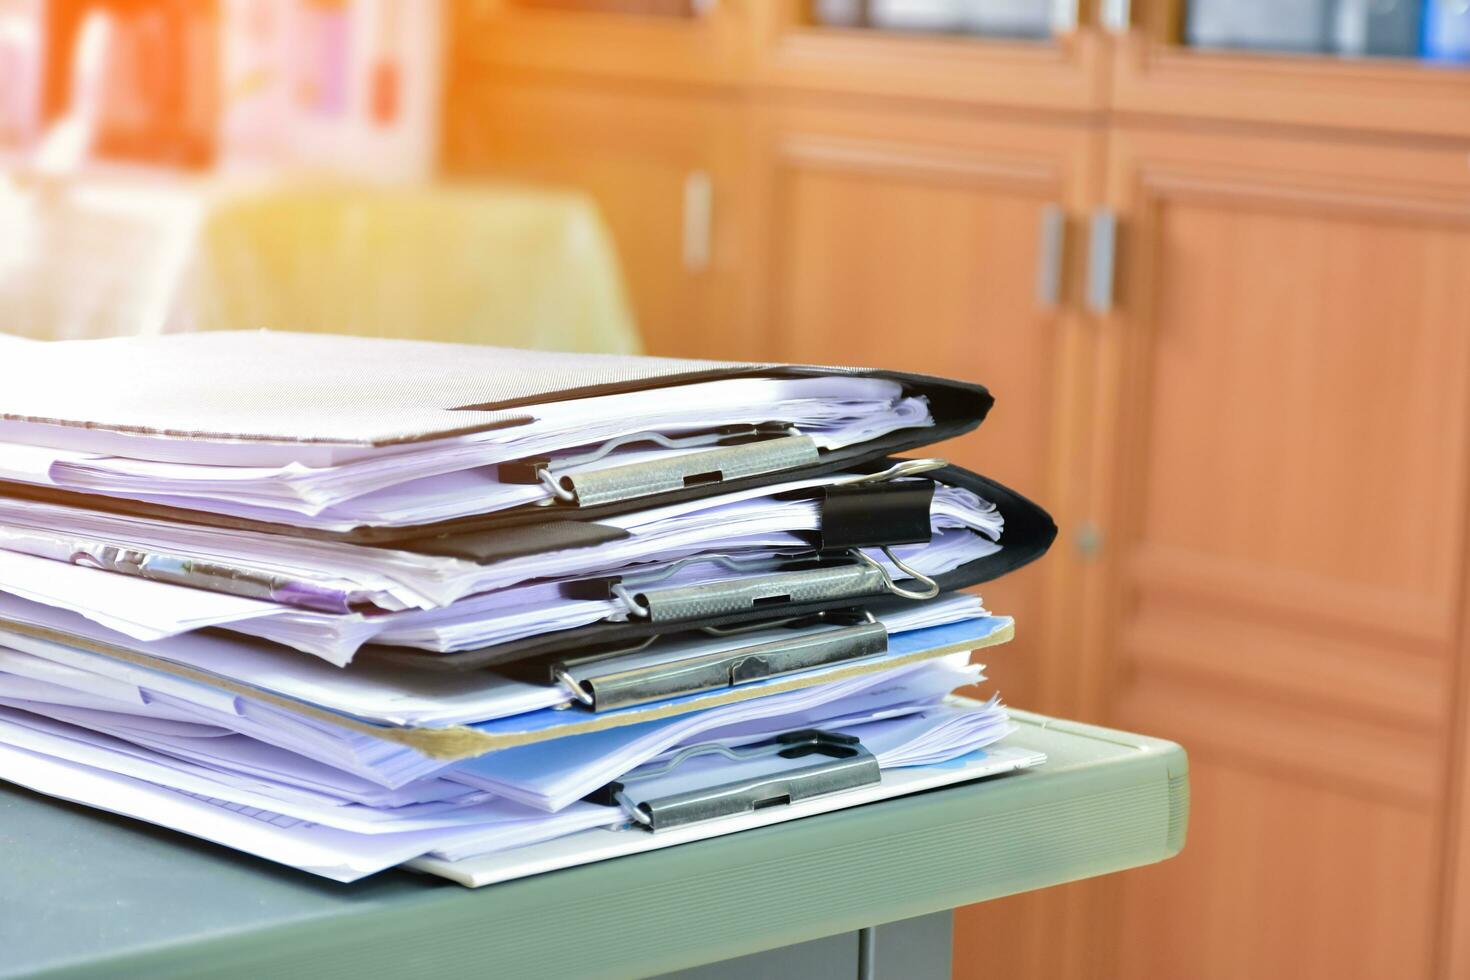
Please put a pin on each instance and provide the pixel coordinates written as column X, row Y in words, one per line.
column 600, row 843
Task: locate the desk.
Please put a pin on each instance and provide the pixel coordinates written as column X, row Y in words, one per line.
column 85, row 893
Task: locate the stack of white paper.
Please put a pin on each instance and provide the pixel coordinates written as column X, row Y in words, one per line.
column 134, row 750
column 456, row 604
column 452, row 477
column 347, row 604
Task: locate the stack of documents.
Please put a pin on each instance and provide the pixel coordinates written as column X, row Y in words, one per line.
column 347, row 604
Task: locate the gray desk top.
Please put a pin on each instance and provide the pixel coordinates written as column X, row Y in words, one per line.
column 87, row 893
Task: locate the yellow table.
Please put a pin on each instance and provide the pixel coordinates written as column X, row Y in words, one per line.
column 494, row 264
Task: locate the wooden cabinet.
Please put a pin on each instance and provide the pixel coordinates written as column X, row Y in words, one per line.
column 1284, row 409
column 669, row 175
column 1063, row 72
column 694, row 41
column 1256, row 448
column 1153, row 73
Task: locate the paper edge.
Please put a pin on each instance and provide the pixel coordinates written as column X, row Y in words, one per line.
column 457, row 742
column 466, row 873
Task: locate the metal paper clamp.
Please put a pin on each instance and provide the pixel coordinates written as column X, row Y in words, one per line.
column 847, row 766
column 864, row 577
column 600, row 684
column 766, row 452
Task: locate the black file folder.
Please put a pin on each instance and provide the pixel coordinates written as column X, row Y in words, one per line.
column 206, row 411
column 879, row 515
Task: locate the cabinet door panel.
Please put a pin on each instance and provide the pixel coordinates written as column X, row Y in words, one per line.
column 647, row 160
column 913, row 243
column 1234, row 928
column 934, row 276
column 1283, row 409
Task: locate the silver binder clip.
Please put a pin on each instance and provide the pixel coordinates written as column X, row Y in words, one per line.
column 710, row 600
column 846, row 765
column 930, row 587
column 903, row 468
column 756, row 450
column 863, row 578
column 622, row 678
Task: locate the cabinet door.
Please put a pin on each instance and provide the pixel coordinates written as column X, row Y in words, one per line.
column 1282, row 473
column 669, row 175
column 915, row 243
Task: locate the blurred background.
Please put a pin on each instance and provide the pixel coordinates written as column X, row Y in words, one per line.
column 1211, row 256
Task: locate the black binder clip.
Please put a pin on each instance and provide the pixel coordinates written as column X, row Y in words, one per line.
column 846, row 765
column 875, row 515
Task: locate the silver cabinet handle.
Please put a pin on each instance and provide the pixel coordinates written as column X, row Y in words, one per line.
column 1102, row 252
column 698, row 218
column 1116, row 15
column 1050, row 249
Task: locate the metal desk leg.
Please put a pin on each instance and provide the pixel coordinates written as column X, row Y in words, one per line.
column 868, row 953
column 917, row 948
column 911, row 949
